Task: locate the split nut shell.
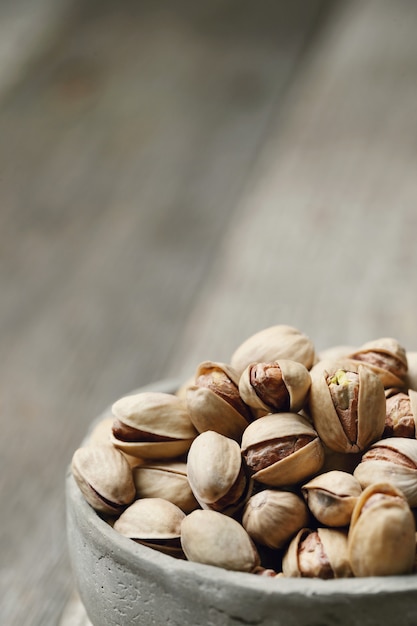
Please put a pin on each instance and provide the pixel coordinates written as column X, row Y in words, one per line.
column 167, row 480
column 152, row 425
column 154, row 522
column 332, row 496
column 321, row 553
column 382, row 533
column 392, row 460
column 282, row 385
column 215, row 539
column 104, row 477
column 347, row 406
column 274, row 343
column 273, row 517
column 282, row 449
column 216, row 474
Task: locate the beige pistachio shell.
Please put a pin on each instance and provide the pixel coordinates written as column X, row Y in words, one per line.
column 321, row 553
column 215, row 473
column 208, row 411
column 387, row 358
column 167, row 480
column 271, row 344
column 215, row 539
column 104, row 477
column 150, row 518
column 159, row 414
column 332, row 496
column 392, row 460
column 382, row 533
column 223, row 380
column 295, row 376
column 273, row 517
column 411, row 379
column 370, row 418
column 153, row 522
column 282, row 449
column 401, row 414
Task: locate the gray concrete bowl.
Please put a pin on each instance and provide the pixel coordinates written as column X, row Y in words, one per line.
column 122, row 583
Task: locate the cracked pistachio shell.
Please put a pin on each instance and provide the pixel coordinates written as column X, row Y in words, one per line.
column 157, row 424
column 387, row 358
column 215, row 539
column 392, row 460
column 261, row 388
column 271, row 344
column 273, row 517
column 321, row 553
column 150, row 518
column 154, row 522
column 362, row 419
column 411, row 379
column 167, row 480
column 401, row 414
column 382, row 533
column 215, row 472
column 104, row 477
column 282, row 449
column 214, row 402
column 332, row 496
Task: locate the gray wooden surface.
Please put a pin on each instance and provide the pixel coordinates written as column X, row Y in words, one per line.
column 173, row 177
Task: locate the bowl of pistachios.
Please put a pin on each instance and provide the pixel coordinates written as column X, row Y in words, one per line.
column 279, row 488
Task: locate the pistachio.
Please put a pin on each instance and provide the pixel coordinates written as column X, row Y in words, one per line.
column 392, row 460
column 282, row 449
column 332, row 496
column 272, row 344
column 387, row 358
column 216, row 474
column 155, row 523
column 401, row 415
column 382, row 533
column 104, row 477
column 273, row 517
column 274, row 387
column 215, row 539
column 214, row 402
column 152, row 425
column 347, row 407
column 167, row 480
column 320, row 553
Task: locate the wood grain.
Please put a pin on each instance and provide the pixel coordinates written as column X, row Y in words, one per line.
column 124, row 149
column 323, row 237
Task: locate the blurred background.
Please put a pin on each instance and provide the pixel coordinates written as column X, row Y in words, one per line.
column 175, row 176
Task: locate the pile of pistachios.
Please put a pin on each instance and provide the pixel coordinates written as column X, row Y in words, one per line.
column 282, row 462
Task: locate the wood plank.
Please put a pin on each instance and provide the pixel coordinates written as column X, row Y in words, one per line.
column 123, row 153
column 32, row 23
column 323, row 237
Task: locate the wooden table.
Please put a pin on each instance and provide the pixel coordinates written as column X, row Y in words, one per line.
column 175, row 176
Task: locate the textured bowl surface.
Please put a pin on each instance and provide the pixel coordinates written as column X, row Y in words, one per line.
column 122, row 583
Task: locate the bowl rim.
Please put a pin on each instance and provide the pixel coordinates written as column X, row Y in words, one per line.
column 131, row 553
